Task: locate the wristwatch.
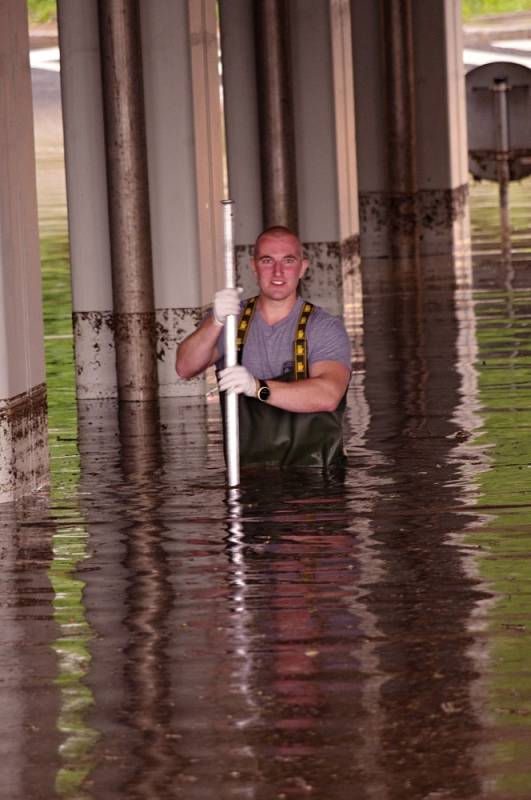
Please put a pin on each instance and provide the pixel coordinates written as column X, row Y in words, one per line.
column 263, row 391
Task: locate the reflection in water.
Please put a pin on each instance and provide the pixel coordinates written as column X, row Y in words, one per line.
column 309, row 632
column 148, row 602
column 69, row 550
column 29, row 697
column 130, row 665
column 293, row 573
column 494, row 265
column 504, row 323
column 430, row 730
column 310, row 635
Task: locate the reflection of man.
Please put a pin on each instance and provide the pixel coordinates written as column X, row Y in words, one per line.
column 294, row 361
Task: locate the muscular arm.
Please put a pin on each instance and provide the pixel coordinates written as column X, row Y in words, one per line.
column 321, row 391
column 199, row 350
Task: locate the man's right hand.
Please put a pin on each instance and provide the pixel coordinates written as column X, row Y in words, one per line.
column 226, row 302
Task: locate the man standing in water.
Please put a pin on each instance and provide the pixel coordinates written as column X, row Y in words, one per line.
column 294, row 361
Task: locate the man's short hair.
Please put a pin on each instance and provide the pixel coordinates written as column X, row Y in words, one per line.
column 278, row 230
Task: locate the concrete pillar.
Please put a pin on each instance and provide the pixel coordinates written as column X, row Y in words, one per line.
column 424, row 90
column 275, row 113
column 128, row 195
column 183, row 132
column 324, row 142
column 242, row 129
column 185, row 177
column 208, row 140
column 442, row 157
column 23, row 418
column 325, row 152
column 86, row 183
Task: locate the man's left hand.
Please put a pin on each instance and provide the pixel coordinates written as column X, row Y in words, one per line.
column 237, row 379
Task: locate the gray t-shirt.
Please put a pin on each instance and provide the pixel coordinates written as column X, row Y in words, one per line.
column 268, row 350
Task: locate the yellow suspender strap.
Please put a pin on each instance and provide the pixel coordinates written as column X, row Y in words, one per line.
column 300, row 350
column 243, row 326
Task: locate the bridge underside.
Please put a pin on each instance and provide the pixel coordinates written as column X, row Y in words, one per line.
column 344, row 120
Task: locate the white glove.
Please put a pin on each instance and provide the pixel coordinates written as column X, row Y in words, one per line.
column 226, row 302
column 237, row 379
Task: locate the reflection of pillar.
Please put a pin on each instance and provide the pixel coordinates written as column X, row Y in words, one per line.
column 414, row 390
column 30, row 739
column 424, row 135
column 323, row 135
column 23, row 437
column 127, row 599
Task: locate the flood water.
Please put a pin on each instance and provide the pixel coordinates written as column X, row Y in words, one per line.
column 360, row 634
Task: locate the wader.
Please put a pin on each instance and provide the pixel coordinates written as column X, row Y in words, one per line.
column 270, row 435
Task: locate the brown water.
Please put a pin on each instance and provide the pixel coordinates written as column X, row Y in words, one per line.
column 363, row 633
column 358, row 634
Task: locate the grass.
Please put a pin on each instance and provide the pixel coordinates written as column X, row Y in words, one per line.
column 46, row 10
column 479, row 8
column 42, row 11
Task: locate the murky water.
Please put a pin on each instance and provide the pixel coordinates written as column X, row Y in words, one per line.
column 363, row 634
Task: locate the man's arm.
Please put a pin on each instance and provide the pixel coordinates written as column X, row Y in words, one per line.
column 199, row 350
column 321, row 391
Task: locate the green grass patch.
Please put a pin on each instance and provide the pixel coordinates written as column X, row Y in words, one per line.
column 480, row 8
column 40, row 11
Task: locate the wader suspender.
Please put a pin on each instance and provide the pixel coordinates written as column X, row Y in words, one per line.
column 300, row 368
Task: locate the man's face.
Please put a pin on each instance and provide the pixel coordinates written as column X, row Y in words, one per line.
column 278, row 265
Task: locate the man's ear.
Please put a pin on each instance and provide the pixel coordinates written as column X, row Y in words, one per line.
column 253, row 265
column 305, row 265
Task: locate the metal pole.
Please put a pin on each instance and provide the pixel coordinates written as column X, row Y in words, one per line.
column 500, row 89
column 132, row 278
column 275, row 111
column 232, row 431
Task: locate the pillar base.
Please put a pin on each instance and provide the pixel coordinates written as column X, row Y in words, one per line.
column 95, row 354
column 23, row 444
column 435, row 221
column 94, row 333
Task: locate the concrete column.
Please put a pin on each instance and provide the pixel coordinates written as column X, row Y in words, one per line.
column 275, row 113
column 401, row 136
column 442, row 158
column 184, row 236
column 132, row 279
column 209, row 145
column 86, row 183
column 242, row 129
column 23, row 418
column 346, row 170
column 325, row 152
column 321, row 75
column 415, row 101
column 183, row 133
